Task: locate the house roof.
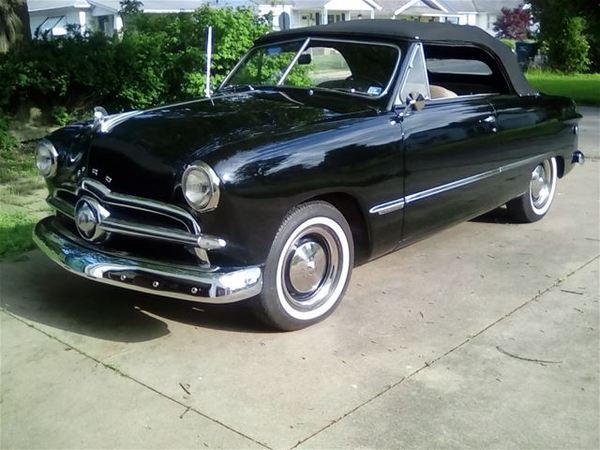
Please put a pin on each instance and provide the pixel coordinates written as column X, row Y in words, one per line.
column 495, row 6
column 148, row 5
column 44, row 5
column 388, row 29
column 390, row 8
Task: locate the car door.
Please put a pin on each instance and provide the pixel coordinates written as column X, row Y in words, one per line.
column 449, row 169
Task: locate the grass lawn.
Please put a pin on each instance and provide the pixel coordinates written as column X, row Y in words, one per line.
column 583, row 88
column 22, row 204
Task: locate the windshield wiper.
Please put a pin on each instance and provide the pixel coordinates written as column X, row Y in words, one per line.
column 235, row 87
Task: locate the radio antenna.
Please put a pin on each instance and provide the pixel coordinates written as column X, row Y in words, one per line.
column 207, row 91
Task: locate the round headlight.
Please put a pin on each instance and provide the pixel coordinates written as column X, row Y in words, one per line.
column 46, row 159
column 200, row 186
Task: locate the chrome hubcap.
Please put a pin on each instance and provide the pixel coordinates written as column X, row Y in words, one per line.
column 307, row 267
column 312, row 268
column 541, row 184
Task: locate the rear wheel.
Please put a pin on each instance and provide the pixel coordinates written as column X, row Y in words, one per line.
column 308, row 268
column 535, row 203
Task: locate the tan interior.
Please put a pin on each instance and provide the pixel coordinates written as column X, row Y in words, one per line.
column 441, row 92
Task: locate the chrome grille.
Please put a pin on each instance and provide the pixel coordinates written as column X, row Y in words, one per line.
column 130, row 215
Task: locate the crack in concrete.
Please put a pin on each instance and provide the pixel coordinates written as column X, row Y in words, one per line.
column 429, row 364
column 129, row 377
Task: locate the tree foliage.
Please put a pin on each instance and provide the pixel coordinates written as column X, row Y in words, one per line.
column 570, row 30
column 159, row 59
column 13, row 25
column 513, row 24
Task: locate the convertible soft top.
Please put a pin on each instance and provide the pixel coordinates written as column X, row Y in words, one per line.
column 414, row 31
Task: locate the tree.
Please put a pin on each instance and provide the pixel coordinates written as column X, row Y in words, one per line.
column 14, row 23
column 131, row 6
column 561, row 34
column 513, row 24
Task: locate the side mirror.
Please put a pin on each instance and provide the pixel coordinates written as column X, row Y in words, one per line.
column 415, row 100
column 305, row 59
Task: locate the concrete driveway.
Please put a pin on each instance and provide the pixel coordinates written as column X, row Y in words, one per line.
column 485, row 335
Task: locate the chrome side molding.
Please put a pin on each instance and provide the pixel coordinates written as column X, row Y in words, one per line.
column 400, row 203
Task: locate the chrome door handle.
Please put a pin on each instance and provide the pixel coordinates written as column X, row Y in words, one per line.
column 491, row 121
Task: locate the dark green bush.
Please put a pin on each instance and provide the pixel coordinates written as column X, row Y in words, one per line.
column 159, row 59
column 569, row 50
column 569, row 29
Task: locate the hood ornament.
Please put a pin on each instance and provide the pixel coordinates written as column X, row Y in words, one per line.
column 99, row 116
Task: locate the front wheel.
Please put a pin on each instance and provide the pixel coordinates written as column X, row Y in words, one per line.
column 535, row 203
column 308, row 268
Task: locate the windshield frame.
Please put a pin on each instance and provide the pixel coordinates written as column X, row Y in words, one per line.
column 305, row 44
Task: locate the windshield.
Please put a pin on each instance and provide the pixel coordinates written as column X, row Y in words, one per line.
column 356, row 68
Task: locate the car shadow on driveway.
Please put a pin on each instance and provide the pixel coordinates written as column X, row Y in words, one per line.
column 34, row 288
column 499, row 215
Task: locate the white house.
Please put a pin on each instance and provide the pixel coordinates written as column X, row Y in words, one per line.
column 482, row 13
column 53, row 16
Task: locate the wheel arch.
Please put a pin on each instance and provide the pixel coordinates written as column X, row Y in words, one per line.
column 351, row 209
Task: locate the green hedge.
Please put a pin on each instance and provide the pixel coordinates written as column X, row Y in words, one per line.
column 158, row 59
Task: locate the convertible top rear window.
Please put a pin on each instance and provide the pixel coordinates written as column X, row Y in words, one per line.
column 458, row 66
column 352, row 67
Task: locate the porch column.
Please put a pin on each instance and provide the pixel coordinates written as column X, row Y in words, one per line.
column 325, row 20
column 372, row 13
column 349, row 16
column 82, row 21
column 117, row 23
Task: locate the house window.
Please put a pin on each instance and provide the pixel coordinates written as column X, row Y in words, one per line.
column 52, row 26
column 491, row 20
column 333, row 18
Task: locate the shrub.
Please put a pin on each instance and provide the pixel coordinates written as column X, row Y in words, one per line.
column 512, row 44
column 565, row 28
column 568, row 50
column 159, row 59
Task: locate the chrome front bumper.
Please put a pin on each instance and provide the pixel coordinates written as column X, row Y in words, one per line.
column 207, row 285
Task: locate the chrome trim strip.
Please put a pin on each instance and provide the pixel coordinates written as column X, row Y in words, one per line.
column 138, row 230
column 112, row 121
column 207, row 285
column 449, row 186
column 400, row 203
column 204, row 241
column 293, row 62
column 388, row 207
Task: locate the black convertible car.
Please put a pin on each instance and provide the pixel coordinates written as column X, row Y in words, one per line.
column 325, row 147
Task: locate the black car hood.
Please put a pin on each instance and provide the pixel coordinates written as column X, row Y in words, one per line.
column 146, row 153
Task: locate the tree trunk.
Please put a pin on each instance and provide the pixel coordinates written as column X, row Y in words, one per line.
column 22, row 11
